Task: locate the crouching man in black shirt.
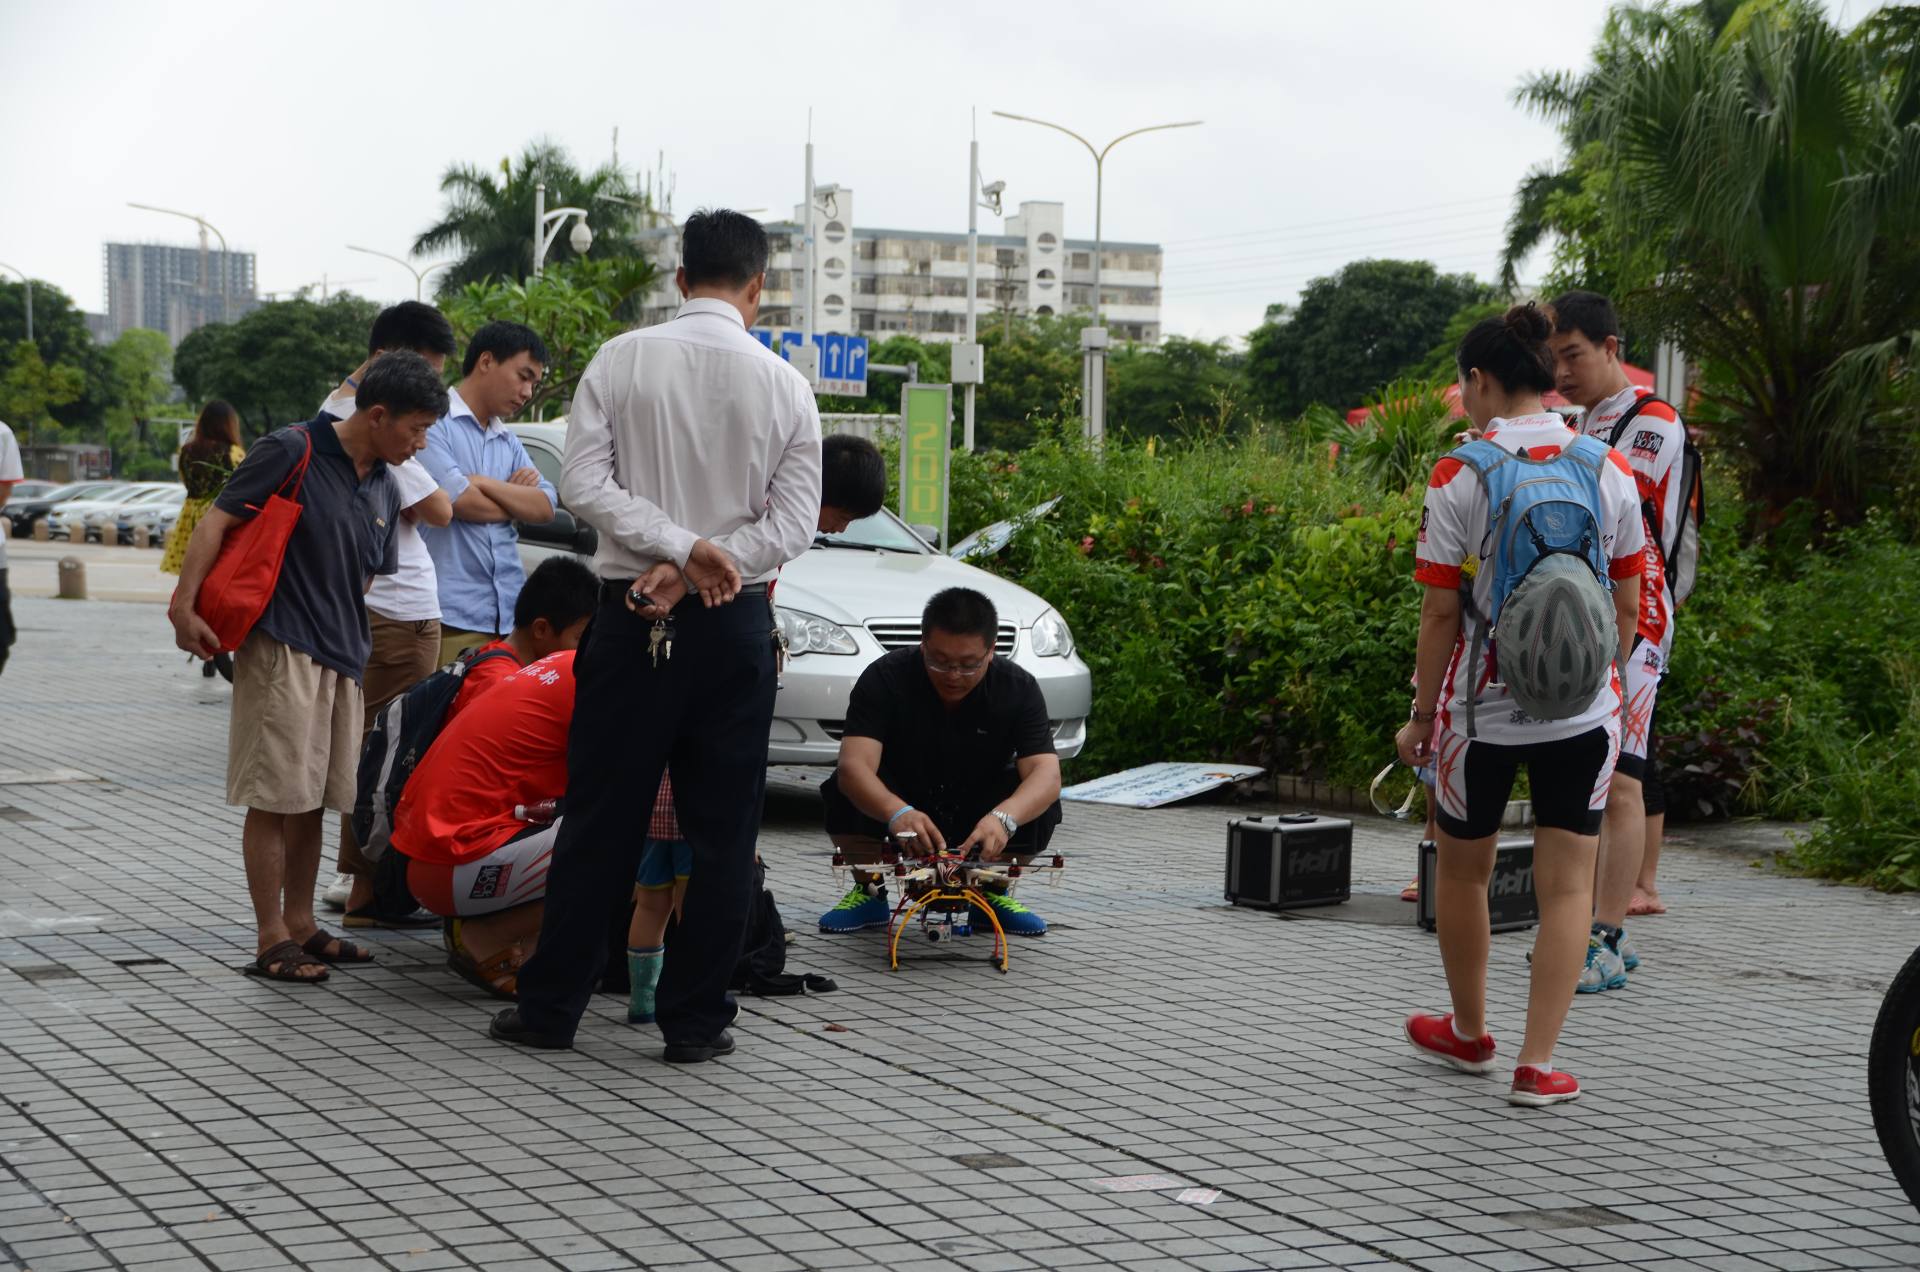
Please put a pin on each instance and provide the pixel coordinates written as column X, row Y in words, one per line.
column 949, row 742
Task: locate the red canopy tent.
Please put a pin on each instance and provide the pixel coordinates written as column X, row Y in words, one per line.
column 1553, row 401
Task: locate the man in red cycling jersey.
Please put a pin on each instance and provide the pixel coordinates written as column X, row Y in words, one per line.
column 1589, row 372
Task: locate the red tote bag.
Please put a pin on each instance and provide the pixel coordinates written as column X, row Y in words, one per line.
column 243, row 577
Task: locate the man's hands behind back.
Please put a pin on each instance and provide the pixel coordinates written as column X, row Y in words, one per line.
column 712, row 573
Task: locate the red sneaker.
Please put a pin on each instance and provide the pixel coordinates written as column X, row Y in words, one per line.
column 1433, row 1036
column 1537, row 1090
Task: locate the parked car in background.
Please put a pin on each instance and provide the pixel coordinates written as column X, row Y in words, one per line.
column 88, row 512
column 114, row 518
column 853, row 597
column 158, row 518
column 143, row 511
column 23, row 510
column 31, row 488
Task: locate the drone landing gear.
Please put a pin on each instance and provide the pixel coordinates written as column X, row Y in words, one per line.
column 944, row 902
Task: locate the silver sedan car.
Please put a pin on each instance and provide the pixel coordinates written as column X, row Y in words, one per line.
column 851, row 598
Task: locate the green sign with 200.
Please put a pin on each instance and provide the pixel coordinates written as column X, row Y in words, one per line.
column 926, row 429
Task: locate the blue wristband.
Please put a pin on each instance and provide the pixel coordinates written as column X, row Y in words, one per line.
column 900, row 812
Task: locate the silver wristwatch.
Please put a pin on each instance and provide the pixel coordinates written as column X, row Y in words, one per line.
column 1006, row 820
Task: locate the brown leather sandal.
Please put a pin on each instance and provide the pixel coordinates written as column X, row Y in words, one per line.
column 498, row 976
column 348, row 952
column 283, row 962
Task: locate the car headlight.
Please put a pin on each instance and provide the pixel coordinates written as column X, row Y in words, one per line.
column 811, row 634
column 1051, row 637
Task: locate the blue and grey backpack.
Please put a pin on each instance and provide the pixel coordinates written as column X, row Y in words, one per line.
column 1551, row 621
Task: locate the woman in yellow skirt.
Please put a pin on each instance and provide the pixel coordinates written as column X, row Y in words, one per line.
column 206, row 461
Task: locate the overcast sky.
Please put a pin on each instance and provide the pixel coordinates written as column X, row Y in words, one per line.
column 1332, row 131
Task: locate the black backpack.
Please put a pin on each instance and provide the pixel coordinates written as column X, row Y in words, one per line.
column 400, row 736
column 1682, row 556
column 762, row 968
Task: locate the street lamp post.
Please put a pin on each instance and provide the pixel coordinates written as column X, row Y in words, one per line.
column 29, row 285
column 419, row 275
column 580, row 239
column 972, row 370
column 205, row 225
column 1094, row 346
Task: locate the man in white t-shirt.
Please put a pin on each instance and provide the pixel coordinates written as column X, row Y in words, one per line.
column 403, row 608
column 10, row 472
column 1590, row 372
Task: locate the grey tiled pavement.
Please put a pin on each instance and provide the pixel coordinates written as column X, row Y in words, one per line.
column 157, row 1110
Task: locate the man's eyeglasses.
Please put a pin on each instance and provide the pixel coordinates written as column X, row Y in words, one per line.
column 959, row 670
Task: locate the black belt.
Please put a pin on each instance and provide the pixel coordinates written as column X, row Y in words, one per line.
column 614, row 591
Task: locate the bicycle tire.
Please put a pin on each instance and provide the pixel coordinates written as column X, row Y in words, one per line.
column 1893, row 1077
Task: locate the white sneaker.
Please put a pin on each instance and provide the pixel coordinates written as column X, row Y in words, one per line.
column 1604, row 969
column 1629, row 959
column 335, row 897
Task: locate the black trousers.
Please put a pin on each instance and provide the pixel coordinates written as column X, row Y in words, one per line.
column 706, row 711
column 6, row 614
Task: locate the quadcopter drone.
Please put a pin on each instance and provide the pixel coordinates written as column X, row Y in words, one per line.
column 944, row 889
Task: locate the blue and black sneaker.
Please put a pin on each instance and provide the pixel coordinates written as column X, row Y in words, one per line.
column 1015, row 919
column 857, row 911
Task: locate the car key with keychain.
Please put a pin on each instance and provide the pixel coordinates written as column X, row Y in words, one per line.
column 660, row 638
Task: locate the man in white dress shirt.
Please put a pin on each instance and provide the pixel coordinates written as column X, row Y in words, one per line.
column 691, row 449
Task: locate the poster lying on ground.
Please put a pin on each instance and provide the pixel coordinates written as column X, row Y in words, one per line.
column 1152, row 785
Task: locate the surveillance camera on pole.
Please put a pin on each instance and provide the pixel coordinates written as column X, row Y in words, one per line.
column 580, row 239
column 966, row 362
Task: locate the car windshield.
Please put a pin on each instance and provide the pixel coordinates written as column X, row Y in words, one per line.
column 882, row 530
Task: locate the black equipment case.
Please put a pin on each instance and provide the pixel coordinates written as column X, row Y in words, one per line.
column 1511, row 902
column 1289, row 861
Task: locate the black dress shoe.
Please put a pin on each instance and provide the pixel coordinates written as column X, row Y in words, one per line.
column 698, row 1052
column 507, row 1027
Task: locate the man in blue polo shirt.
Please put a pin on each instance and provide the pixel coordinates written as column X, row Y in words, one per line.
column 293, row 740
column 484, row 469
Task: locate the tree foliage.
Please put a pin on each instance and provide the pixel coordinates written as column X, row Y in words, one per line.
column 1441, row 363
column 1764, row 168
column 1408, row 426
column 576, row 307
column 142, row 364
column 488, row 216
column 30, row 390
column 1181, row 387
column 60, row 334
column 1352, row 332
column 279, row 362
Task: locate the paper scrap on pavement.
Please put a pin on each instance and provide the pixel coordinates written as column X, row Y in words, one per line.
column 1138, row 1183
column 1152, row 785
column 1199, row 1196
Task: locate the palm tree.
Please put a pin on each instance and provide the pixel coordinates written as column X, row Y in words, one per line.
column 1553, row 202
column 1768, row 176
column 488, row 219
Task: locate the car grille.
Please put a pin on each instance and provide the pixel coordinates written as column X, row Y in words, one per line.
column 904, row 633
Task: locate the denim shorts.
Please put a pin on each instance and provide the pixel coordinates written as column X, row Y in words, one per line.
column 664, row 862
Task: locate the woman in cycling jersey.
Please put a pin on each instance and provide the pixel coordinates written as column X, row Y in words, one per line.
column 1468, row 725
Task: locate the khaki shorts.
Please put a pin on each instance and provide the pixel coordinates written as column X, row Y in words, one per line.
column 455, row 639
column 293, row 743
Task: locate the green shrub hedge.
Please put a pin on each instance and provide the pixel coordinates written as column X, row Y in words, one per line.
column 1250, row 599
